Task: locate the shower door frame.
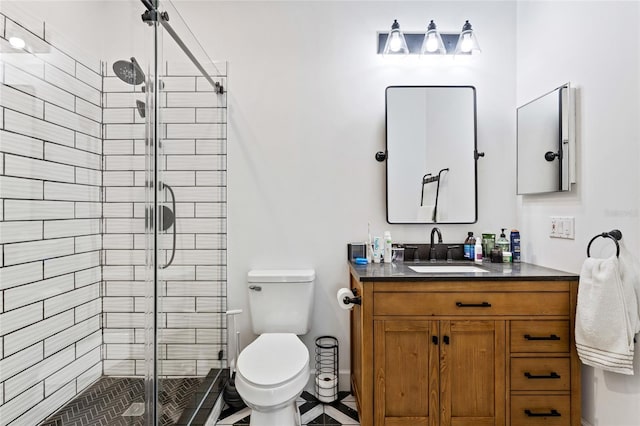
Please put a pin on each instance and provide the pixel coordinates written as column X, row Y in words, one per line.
column 152, row 217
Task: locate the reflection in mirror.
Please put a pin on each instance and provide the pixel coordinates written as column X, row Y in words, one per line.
column 431, row 146
column 545, row 143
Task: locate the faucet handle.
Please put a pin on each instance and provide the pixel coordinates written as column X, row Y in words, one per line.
column 449, row 254
column 415, row 252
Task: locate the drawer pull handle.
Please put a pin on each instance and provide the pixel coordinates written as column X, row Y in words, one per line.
column 473, row 305
column 553, row 375
column 551, row 337
column 552, row 413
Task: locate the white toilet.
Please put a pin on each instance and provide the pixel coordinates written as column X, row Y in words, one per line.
column 274, row 369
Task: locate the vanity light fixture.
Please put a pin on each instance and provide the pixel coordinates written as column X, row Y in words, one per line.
column 396, row 44
column 432, row 42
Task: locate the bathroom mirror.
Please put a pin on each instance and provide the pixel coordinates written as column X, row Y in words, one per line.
column 546, row 143
column 431, row 154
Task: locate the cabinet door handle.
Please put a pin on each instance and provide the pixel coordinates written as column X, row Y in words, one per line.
column 434, row 339
column 552, row 375
column 552, row 413
column 551, row 337
column 473, row 305
column 445, row 339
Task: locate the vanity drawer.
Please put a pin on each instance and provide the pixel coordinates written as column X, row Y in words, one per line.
column 471, row 303
column 539, row 336
column 540, row 374
column 540, row 410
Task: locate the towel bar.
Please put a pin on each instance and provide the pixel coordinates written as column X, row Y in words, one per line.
column 614, row 235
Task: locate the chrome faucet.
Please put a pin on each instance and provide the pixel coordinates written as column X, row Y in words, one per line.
column 432, row 252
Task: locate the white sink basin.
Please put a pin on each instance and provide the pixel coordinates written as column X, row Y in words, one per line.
column 439, row 269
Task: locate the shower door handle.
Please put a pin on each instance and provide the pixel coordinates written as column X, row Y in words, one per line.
column 173, row 204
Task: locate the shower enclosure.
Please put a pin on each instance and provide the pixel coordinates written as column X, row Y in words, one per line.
column 112, row 218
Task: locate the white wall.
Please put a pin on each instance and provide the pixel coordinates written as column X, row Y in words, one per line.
column 595, row 46
column 306, row 114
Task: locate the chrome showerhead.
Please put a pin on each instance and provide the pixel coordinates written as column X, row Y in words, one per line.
column 129, row 71
column 141, row 106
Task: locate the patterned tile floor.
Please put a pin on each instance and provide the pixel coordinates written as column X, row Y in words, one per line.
column 105, row 402
column 313, row 412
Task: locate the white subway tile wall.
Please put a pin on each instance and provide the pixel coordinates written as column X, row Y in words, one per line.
column 72, row 274
column 50, row 234
column 194, row 152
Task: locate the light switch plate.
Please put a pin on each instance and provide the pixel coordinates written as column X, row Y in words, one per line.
column 562, row 227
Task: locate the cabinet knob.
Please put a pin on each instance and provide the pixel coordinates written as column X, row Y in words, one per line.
column 434, row 339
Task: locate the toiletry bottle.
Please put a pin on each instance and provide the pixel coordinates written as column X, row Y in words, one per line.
column 469, row 246
column 515, row 245
column 478, row 252
column 369, row 248
column 387, row 247
column 502, row 243
column 377, row 249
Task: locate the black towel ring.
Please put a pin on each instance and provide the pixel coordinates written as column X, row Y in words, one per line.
column 615, row 235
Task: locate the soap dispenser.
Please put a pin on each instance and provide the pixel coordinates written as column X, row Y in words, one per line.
column 502, row 243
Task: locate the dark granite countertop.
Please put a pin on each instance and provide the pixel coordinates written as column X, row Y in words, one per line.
column 496, row 271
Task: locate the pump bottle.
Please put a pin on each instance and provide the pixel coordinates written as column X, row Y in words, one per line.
column 387, row 247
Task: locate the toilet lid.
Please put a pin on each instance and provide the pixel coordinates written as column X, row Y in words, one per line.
column 273, row 358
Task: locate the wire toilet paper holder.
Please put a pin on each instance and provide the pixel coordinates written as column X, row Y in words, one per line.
column 326, row 377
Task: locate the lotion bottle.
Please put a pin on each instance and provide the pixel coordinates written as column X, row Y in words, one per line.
column 478, row 252
column 387, row 247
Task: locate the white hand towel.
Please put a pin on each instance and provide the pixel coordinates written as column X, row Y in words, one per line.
column 604, row 331
column 630, row 276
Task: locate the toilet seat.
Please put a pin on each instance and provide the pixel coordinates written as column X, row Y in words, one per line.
column 273, row 359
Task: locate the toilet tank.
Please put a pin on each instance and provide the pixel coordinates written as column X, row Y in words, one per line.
column 281, row 301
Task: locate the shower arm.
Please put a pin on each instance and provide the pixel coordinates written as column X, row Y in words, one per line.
column 153, row 15
column 173, row 203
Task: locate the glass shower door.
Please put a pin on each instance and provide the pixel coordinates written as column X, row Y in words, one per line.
column 185, row 266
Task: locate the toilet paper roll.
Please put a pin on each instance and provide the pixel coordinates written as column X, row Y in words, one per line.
column 342, row 293
column 327, row 381
column 326, row 387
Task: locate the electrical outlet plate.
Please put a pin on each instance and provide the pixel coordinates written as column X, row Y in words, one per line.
column 562, row 227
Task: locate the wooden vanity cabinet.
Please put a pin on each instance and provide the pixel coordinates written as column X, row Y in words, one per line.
column 466, row 353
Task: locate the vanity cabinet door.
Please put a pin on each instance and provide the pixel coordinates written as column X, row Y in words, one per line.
column 406, row 373
column 472, row 376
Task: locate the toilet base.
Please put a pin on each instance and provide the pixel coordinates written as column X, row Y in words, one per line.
column 289, row 415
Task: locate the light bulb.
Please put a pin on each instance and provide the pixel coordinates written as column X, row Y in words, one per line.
column 17, row 42
column 467, row 43
column 432, row 43
column 395, row 44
